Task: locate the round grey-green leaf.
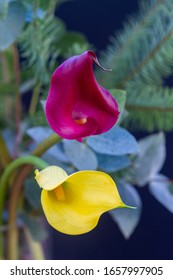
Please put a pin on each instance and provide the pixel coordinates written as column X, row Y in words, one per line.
column 110, row 163
column 150, row 158
column 11, row 26
column 80, row 155
column 159, row 188
column 117, row 141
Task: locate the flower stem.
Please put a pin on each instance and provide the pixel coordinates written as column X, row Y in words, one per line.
column 34, row 100
column 4, row 183
column 18, row 104
column 46, row 144
column 4, row 154
column 12, row 233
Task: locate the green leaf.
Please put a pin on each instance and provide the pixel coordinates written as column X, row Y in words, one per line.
column 150, row 107
column 141, row 59
column 40, row 52
column 120, row 97
column 11, row 26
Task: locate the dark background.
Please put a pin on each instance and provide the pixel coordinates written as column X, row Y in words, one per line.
column 152, row 239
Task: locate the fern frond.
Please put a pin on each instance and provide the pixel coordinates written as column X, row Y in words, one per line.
column 155, row 110
column 38, row 45
column 130, row 45
column 141, row 57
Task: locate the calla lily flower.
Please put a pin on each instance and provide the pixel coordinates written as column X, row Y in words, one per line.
column 73, row 204
column 77, row 106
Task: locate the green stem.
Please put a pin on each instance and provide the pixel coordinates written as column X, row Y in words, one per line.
column 46, row 144
column 147, row 108
column 4, row 183
column 34, row 100
column 12, row 233
column 52, row 6
column 18, row 102
column 4, row 154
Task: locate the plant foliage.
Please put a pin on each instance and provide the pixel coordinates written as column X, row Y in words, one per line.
column 33, row 42
column 39, row 46
column 141, row 59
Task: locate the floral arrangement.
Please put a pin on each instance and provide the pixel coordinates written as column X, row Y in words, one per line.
column 74, row 130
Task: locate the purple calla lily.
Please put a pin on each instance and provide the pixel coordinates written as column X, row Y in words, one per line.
column 77, row 106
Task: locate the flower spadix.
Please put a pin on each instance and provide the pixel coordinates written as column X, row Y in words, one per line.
column 77, row 106
column 73, row 204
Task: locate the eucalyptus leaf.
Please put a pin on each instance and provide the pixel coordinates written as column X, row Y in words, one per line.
column 40, row 133
column 3, row 8
column 52, row 160
column 43, row 104
column 26, row 86
column 117, row 141
column 171, row 187
column 150, row 158
column 120, row 97
column 57, row 152
column 110, row 163
column 31, row 15
column 9, row 137
column 11, row 26
column 32, row 193
column 35, row 226
column 81, row 156
column 127, row 219
column 159, row 188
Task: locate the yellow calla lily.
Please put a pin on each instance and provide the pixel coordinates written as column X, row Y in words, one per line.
column 73, row 204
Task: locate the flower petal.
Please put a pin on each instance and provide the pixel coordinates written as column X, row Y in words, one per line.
column 88, row 194
column 77, row 106
column 50, row 177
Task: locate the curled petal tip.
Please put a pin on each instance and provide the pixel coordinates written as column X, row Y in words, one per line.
column 36, row 171
column 95, row 59
column 98, row 64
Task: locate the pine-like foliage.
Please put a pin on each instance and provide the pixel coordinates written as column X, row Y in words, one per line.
column 43, row 44
column 38, row 44
column 141, row 57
